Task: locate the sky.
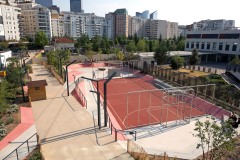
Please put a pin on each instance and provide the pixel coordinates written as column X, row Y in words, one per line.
column 182, row 11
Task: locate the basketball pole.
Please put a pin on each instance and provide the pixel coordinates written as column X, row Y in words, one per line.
column 105, row 98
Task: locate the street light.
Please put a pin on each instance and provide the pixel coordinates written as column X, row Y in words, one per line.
column 98, row 99
column 67, row 75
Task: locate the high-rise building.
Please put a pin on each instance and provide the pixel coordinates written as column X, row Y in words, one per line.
column 54, row 7
column 154, row 15
column 77, row 24
column 76, row 6
column 34, row 18
column 57, row 24
column 9, row 26
column 137, row 26
column 121, row 22
column 110, row 19
column 162, row 28
column 144, row 14
column 45, row 3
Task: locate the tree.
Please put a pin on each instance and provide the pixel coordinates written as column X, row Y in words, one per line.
column 235, row 60
column 90, row 54
column 4, row 45
column 13, row 72
column 177, row 62
column 7, row 93
column 194, row 59
column 83, row 40
column 161, row 54
column 181, row 45
column 131, row 47
column 120, row 55
column 141, row 45
column 216, row 140
column 41, row 39
column 153, row 45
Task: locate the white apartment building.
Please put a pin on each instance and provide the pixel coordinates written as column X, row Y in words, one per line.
column 221, row 45
column 75, row 23
column 95, row 27
column 57, row 24
column 9, row 24
column 108, row 29
column 172, row 29
column 137, row 26
column 182, row 30
column 110, row 24
column 220, row 24
column 34, row 18
column 162, row 28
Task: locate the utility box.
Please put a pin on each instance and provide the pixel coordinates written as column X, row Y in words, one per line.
column 37, row 90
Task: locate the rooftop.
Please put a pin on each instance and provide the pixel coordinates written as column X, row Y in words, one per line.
column 63, row 40
column 37, row 83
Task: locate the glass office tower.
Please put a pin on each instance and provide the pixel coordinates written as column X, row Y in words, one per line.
column 45, row 3
column 76, row 6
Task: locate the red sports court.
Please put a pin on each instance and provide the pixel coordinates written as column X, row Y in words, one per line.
column 136, row 102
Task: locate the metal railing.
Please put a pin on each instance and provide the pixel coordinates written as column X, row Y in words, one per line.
column 132, row 132
column 82, row 97
column 80, row 93
column 16, row 151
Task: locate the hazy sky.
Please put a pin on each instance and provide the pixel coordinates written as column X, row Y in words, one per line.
column 181, row 11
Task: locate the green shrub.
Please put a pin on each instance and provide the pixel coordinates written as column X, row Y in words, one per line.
column 3, row 130
column 36, row 156
column 12, row 109
column 9, row 120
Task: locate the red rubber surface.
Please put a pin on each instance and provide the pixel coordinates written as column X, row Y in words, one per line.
column 138, row 110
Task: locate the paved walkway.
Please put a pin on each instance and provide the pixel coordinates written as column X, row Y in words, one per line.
column 66, row 129
column 19, row 135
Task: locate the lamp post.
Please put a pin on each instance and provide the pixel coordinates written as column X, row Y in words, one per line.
column 60, row 63
column 98, row 99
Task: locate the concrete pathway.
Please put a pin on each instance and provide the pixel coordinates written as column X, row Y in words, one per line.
column 19, row 135
column 66, row 129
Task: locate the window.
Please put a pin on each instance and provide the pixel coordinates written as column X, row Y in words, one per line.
column 187, row 46
column 214, row 47
column 208, row 45
column 220, row 46
column 234, row 48
column 37, row 88
column 197, row 45
column 227, row 46
column 192, row 45
column 203, row 45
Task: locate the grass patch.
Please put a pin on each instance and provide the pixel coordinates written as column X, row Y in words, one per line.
column 193, row 73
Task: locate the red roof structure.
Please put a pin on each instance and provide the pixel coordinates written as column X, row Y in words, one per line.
column 63, row 40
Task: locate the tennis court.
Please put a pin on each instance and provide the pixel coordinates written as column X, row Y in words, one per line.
column 136, row 102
